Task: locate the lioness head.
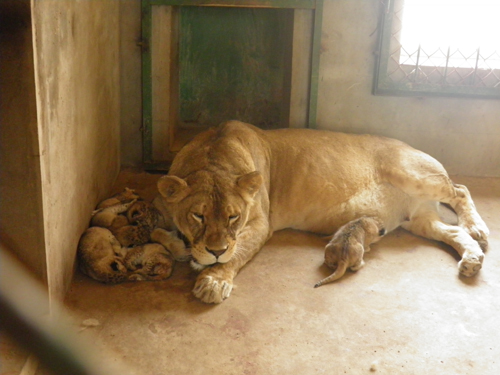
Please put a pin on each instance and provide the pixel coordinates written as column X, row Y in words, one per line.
column 210, row 209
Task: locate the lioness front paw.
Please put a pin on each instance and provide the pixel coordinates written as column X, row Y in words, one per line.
column 211, row 288
column 470, row 264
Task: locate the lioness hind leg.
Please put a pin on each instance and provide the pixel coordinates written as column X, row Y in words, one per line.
column 459, row 198
column 426, row 223
column 468, row 217
column 419, row 175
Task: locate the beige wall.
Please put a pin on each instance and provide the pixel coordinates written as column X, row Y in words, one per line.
column 130, row 90
column 76, row 46
column 21, row 217
column 464, row 134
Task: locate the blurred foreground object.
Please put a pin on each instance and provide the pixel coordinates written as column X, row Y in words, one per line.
column 51, row 337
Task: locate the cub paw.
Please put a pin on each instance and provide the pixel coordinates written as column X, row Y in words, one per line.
column 212, row 288
column 136, row 277
column 470, row 265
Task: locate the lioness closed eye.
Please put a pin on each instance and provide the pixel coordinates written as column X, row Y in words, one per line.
column 232, row 186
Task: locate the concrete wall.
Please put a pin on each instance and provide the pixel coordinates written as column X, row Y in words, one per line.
column 77, row 66
column 130, row 94
column 463, row 134
column 21, row 216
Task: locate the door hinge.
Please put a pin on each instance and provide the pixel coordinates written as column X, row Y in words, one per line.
column 143, row 43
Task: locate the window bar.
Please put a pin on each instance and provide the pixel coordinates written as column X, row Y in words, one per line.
column 387, row 6
column 446, row 66
column 415, row 76
column 473, row 76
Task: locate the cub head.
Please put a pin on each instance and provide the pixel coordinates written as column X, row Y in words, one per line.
column 210, row 209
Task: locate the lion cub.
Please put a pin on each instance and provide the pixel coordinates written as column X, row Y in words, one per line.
column 115, row 248
column 149, row 262
column 131, row 222
column 100, row 256
column 142, row 218
column 347, row 247
column 111, row 217
column 125, row 196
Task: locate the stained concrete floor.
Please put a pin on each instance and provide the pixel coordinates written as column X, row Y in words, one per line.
column 406, row 312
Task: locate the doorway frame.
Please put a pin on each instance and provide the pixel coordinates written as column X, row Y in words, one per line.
column 316, row 6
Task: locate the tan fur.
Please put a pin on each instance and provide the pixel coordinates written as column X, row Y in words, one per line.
column 110, row 216
column 142, row 217
column 120, row 222
column 124, row 196
column 100, row 256
column 143, row 213
column 170, row 241
column 132, row 235
column 231, row 187
column 132, row 229
column 149, row 262
column 348, row 245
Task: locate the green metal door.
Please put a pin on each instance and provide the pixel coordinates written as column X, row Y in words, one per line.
column 235, row 64
column 209, row 61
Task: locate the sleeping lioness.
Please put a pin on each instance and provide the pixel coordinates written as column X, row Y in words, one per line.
column 230, row 188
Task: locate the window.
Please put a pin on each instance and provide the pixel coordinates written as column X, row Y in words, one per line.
column 439, row 47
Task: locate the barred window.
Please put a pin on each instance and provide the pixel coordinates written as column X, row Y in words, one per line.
column 439, row 47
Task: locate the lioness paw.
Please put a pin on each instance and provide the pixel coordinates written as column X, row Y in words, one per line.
column 477, row 229
column 212, row 289
column 470, row 264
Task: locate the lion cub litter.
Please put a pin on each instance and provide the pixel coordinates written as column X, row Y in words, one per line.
column 117, row 247
column 348, row 245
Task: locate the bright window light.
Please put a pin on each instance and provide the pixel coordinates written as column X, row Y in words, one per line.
column 453, row 33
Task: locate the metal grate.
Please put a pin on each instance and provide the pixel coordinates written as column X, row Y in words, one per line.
column 416, row 70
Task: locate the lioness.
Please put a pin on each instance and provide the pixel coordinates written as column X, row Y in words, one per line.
column 231, row 187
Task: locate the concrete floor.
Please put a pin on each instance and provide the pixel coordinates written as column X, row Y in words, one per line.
column 406, row 312
column 12, row 357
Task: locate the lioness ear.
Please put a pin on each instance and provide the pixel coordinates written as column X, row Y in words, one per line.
column 250, row 183
column 172, row 188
